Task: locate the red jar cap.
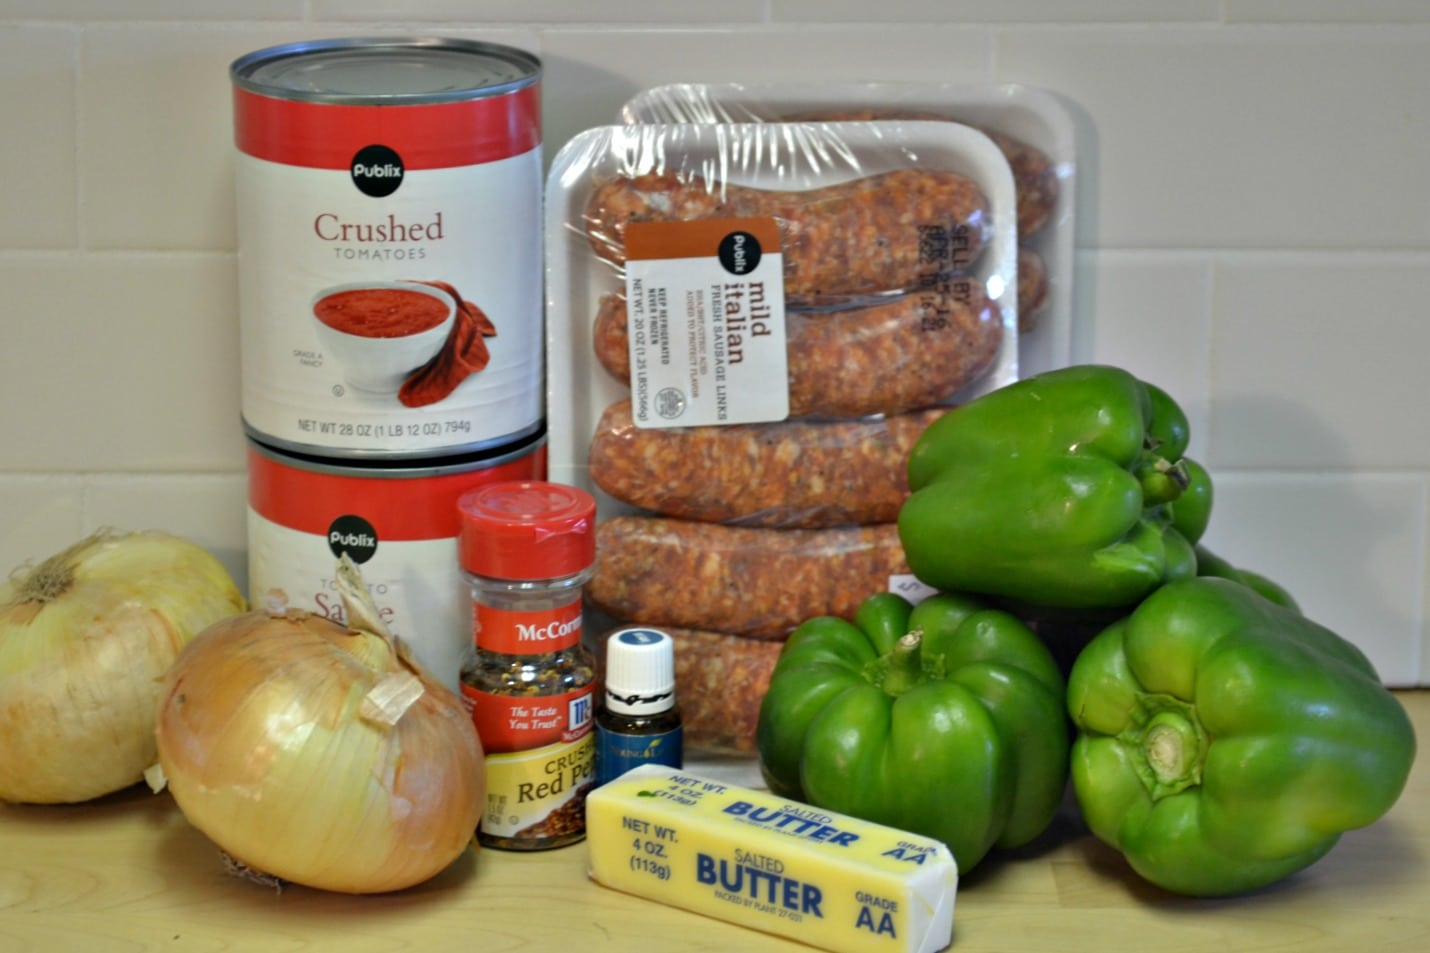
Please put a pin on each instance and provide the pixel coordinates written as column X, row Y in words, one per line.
column 526, row 530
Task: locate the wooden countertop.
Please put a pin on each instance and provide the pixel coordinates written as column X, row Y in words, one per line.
column 129, row 873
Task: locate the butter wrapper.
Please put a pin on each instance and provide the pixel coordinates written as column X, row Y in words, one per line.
column 775, row 865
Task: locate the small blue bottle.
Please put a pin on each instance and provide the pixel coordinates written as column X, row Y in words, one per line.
column 638, row 721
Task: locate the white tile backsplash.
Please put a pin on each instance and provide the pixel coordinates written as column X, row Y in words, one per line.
column 154, row 11
column 1154, row 318
column 1000, row 11
column 1348, row 547
column 120, row 362
column 546, row 11
column 39, row 515
column 1326, row 11
column 210, row 509
column 1319, row 361
column 1253, row 231
column 156, row 133
column 1242, row 137
column 37, row 127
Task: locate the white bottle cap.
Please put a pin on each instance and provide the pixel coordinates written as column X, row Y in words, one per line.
column 640, row 672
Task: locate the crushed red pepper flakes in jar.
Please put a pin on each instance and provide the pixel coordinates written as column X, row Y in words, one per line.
column 527, row 549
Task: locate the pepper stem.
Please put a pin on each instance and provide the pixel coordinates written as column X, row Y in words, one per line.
column 903, row 666
column 1172, row 745
column 1162, row 481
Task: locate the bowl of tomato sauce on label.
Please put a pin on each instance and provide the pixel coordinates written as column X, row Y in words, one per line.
column 381, row 331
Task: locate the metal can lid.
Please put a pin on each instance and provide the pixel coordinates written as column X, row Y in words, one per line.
column 385, row 70
column 527, row 530
column 640, row 671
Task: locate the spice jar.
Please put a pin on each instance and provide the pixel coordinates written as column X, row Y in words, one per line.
column 527, row 548
column 637, row 721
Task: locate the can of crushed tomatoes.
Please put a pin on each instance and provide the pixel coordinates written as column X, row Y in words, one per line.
column 399, row 521
column 389, row 246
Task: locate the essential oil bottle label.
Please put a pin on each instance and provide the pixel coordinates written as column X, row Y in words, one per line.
column 512, row 632
column 617, row 753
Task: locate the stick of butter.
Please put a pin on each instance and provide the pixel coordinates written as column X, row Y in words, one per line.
column 780, row 866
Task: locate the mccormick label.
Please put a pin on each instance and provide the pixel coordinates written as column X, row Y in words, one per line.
column 540, row 750
column 389, row 197
column 400, row 525
column 541, row 761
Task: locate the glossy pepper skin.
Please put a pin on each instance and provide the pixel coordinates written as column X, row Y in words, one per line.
column 945, row 719
column 1225, row 742
column 1067, row 489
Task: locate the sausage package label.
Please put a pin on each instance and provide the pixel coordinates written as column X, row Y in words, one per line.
column 779, row 866
column 706, row 322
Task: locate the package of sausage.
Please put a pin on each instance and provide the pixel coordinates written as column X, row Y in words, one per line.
column 759, row 273
column 1030, row 126
column 748, row 327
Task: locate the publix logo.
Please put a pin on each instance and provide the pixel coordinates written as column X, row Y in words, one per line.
column 377, row 171
column 352, row 535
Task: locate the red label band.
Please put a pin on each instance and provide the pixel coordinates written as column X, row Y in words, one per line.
column 526, row 722
column 514, row 632
column 427, row 136
column 398, row 508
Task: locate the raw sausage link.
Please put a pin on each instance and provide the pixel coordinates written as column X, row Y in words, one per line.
column 911, row 351
column 1032, row 289
column 720, row 680
column 1035, row 180
column 742, row 580
column 792, row 474
column 871, row 235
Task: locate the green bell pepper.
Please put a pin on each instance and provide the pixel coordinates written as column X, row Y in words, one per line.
column 945, row 719
column 1210, row 564
column 1225, row 742
column 1066, row 489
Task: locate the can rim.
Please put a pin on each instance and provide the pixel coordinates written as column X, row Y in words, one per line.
column 241, row 69
column 403, row 461
column 402, row 468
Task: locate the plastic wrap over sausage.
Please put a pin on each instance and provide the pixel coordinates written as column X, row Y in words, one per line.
column 901, row 353
column 753, row 582
column 872, row 235
column 804, row 474
column 1035, row 180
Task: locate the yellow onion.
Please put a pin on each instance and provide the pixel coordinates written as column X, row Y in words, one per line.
column 85, row 639
column 320, row 753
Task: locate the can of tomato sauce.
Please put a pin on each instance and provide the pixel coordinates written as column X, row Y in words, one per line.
column 399, row 521
column 389, row 246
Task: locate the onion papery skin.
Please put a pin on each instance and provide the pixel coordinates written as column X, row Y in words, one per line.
column 83, row 652
column 264, row 748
